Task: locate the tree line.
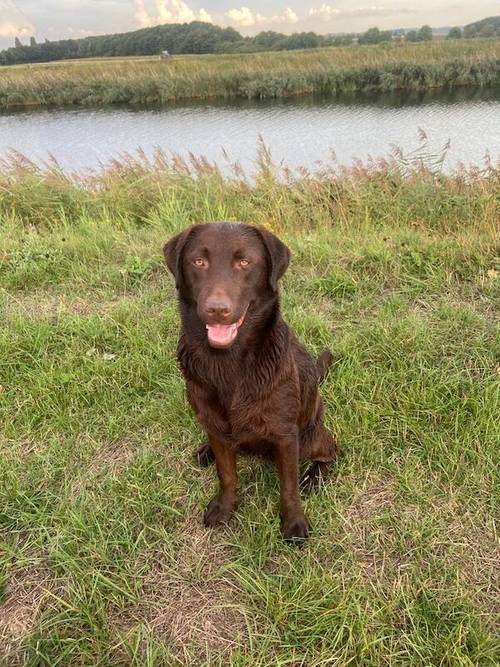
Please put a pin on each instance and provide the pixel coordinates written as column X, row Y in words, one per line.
column 199, row 37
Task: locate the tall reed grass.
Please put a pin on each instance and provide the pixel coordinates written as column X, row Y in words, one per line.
column 403, row 187
column 253, row 76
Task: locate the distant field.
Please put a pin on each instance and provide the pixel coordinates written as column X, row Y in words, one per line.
column 103, row 557
column 148, row 80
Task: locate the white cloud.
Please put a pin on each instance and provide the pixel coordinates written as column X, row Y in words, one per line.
column 13, row 23
column 325, row 11
column 168, row 11
column 328, row 12
column 177, row 11
column 141, row 14
column 203, row 15
column 245, row 18
column 290, row 16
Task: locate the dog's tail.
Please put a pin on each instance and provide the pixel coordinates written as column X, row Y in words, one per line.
column 323, row 364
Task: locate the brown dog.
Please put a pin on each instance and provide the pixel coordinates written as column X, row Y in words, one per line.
column 253, row 387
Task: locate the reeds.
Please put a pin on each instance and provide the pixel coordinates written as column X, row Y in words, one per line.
column 327, row 71
column 403, row 188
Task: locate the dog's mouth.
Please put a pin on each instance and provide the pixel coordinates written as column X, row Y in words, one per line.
column 224, row 335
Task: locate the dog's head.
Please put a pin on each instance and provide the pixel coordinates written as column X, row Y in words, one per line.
column 225, row 269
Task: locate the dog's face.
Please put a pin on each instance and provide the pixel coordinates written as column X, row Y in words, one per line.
column 225, row 269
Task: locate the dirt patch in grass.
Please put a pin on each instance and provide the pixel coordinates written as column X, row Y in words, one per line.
column 188, row 601
column 365, row 539
column 40, row 305
column 108, row 460
column 471, row 545
column 28, row 595
column 45, row 305
column 379, row 533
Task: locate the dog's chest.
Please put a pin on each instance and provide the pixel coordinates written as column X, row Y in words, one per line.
column 225, row 409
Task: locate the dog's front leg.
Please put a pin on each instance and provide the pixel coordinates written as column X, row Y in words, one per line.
column 294, row 524
column 221, row 507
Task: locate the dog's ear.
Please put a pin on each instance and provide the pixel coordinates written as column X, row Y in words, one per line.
column 278, row 256
column 173, row 250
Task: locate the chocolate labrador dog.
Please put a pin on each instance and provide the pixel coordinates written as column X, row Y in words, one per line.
column 253, row 387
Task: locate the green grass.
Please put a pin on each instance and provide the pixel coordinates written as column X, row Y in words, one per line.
column 386, row 67
column 104, row 559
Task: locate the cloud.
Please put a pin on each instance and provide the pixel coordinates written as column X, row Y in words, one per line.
column 328, row 12
column 177, row 11
column 290, row 16
column 168, row 11
column 141, row 15
column 245, row 18
column 13, row 23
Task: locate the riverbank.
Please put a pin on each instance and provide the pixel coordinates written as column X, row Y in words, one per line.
column 104, row 557
column 327, row 71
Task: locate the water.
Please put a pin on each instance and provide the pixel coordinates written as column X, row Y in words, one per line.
column 299, row 132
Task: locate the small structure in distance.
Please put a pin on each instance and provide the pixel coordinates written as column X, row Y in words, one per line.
column 165, row 55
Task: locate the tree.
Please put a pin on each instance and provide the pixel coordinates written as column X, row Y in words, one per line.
column 32, row 41
column 425, row 33
column 268, row 38
column 411, row 36
column 17, row 43
column 470, row 31
column 487, row 31
column 375, row 36
column 488, row 27
column 300, row 40
column 371, row 36
column 341, row 40
column 455, row 33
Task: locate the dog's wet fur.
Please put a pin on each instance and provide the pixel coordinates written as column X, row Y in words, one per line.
column 253, row 387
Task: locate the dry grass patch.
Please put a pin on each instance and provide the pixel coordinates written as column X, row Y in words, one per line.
column 189, row 602
column 365, row 539
column 51, row 306
column 108, row 460
column 471, row 545
column 29, row 593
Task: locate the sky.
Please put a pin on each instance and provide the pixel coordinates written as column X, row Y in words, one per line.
column 59, row 19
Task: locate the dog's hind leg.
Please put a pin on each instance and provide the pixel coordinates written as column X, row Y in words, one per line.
column 322, row 451
column 323, row 363
column 204, row 455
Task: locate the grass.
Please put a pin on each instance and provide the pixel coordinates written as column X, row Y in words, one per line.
column 386, row 67
column 104, row 559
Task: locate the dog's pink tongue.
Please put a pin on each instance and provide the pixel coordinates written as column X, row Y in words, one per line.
column 222, row 334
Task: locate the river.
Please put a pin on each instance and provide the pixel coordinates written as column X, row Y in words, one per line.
column 300, row 132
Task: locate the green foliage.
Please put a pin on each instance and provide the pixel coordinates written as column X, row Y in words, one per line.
column 194, row 37
column 486, row 28
column 375, row 36
column 455, row 33
column 424, row 34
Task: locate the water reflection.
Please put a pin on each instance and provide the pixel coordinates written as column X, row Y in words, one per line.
column 299, row 131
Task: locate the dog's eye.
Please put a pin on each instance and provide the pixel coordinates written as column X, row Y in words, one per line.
column 199, row 262
column 243, row 262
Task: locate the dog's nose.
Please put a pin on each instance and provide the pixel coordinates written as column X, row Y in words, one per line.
column 218, row 308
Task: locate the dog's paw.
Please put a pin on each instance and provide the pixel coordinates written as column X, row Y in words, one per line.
column 218, row 511
column 295, row 529
column 204, row 455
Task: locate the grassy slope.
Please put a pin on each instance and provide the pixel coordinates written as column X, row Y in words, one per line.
column 278, row 74
column 104, row 559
